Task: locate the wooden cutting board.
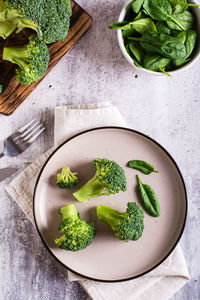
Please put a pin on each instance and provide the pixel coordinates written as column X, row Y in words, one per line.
column 14, row 93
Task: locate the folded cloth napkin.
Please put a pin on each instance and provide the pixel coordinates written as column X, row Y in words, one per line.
column 162, row 282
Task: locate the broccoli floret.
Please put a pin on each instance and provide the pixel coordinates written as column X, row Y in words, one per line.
column 32, row 59
column 108, row 179
column 66, row 179
column 50, row 19
column 77, row 234
column 11, row 20
column 128, row 225
column 1, row 88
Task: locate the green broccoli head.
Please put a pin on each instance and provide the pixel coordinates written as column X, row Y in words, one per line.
column 32, row 59
column 1, row 88
column 108, row 179
column 77, row 234
column 128, row 225
column 11, row 20
column 66, row 179
column 50, row 19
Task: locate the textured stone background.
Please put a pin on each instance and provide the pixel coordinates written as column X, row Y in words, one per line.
column 167, row 109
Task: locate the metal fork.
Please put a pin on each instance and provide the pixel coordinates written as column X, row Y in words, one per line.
column 19, row 141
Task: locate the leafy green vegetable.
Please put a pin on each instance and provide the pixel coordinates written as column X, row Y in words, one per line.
column 161, row 27
column 136, row 5
column 120, row 25
column 141, row 15
column 142, row 166
column 148, row 198
column 127, row 32
column 155, row 62
column 155, row 31
column 189, row 39
column 143, row 25
column 161, row 10
column 185, row 19
column 137, row 52
column 169, row 46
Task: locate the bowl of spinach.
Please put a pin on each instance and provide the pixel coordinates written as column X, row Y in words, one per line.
column 159, row 36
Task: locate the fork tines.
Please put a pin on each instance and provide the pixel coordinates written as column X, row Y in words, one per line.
column 26, row 135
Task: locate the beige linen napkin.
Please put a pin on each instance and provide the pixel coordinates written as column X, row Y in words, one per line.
column 161, row 283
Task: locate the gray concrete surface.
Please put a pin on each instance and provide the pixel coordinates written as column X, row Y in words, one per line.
column 167, row 109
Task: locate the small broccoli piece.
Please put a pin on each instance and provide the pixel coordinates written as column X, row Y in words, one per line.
column 66, row 179
column 32, row 59
column 50, row 19
column 108, row 179
column 1, row 88
column 128, row 225
column 77, row 234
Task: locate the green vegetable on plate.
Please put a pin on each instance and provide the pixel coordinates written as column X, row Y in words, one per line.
column 66, row 179
column 108, row 179
column 127, row 225
column 148, row 198
column 142, row 166
column 76, row 233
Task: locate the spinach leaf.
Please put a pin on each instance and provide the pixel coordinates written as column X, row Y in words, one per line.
column 136, row 5
column 143, row 25
column 120, row 25
column 148, row 198
column 170, row 47
column 185, row 19
column 142, row 166
column 189, row 39
column 127, row 32
column 141, row 15
column 137, row 52
column 162, row 28
column 158, row 9
column 155, row 62
column 181, row 5
column 134, row 54
column 161, row 10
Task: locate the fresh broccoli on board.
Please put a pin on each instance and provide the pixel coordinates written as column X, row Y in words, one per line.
column 108, row 179
column 11, row 19
column 50, row 19
column 32, row 59
column 66, row 179
column 128, row 225
column 77, row 234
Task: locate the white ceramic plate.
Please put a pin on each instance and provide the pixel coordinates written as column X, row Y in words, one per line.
column 108, row 258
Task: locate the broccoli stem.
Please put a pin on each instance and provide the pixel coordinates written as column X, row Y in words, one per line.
column 93, row 188
column 69, row 211
column 109, row 216
column 16, row 55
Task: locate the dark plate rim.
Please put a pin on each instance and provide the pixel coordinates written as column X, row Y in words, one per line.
column 181, row 177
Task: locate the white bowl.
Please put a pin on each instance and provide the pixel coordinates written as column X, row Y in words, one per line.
column 195, row 11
